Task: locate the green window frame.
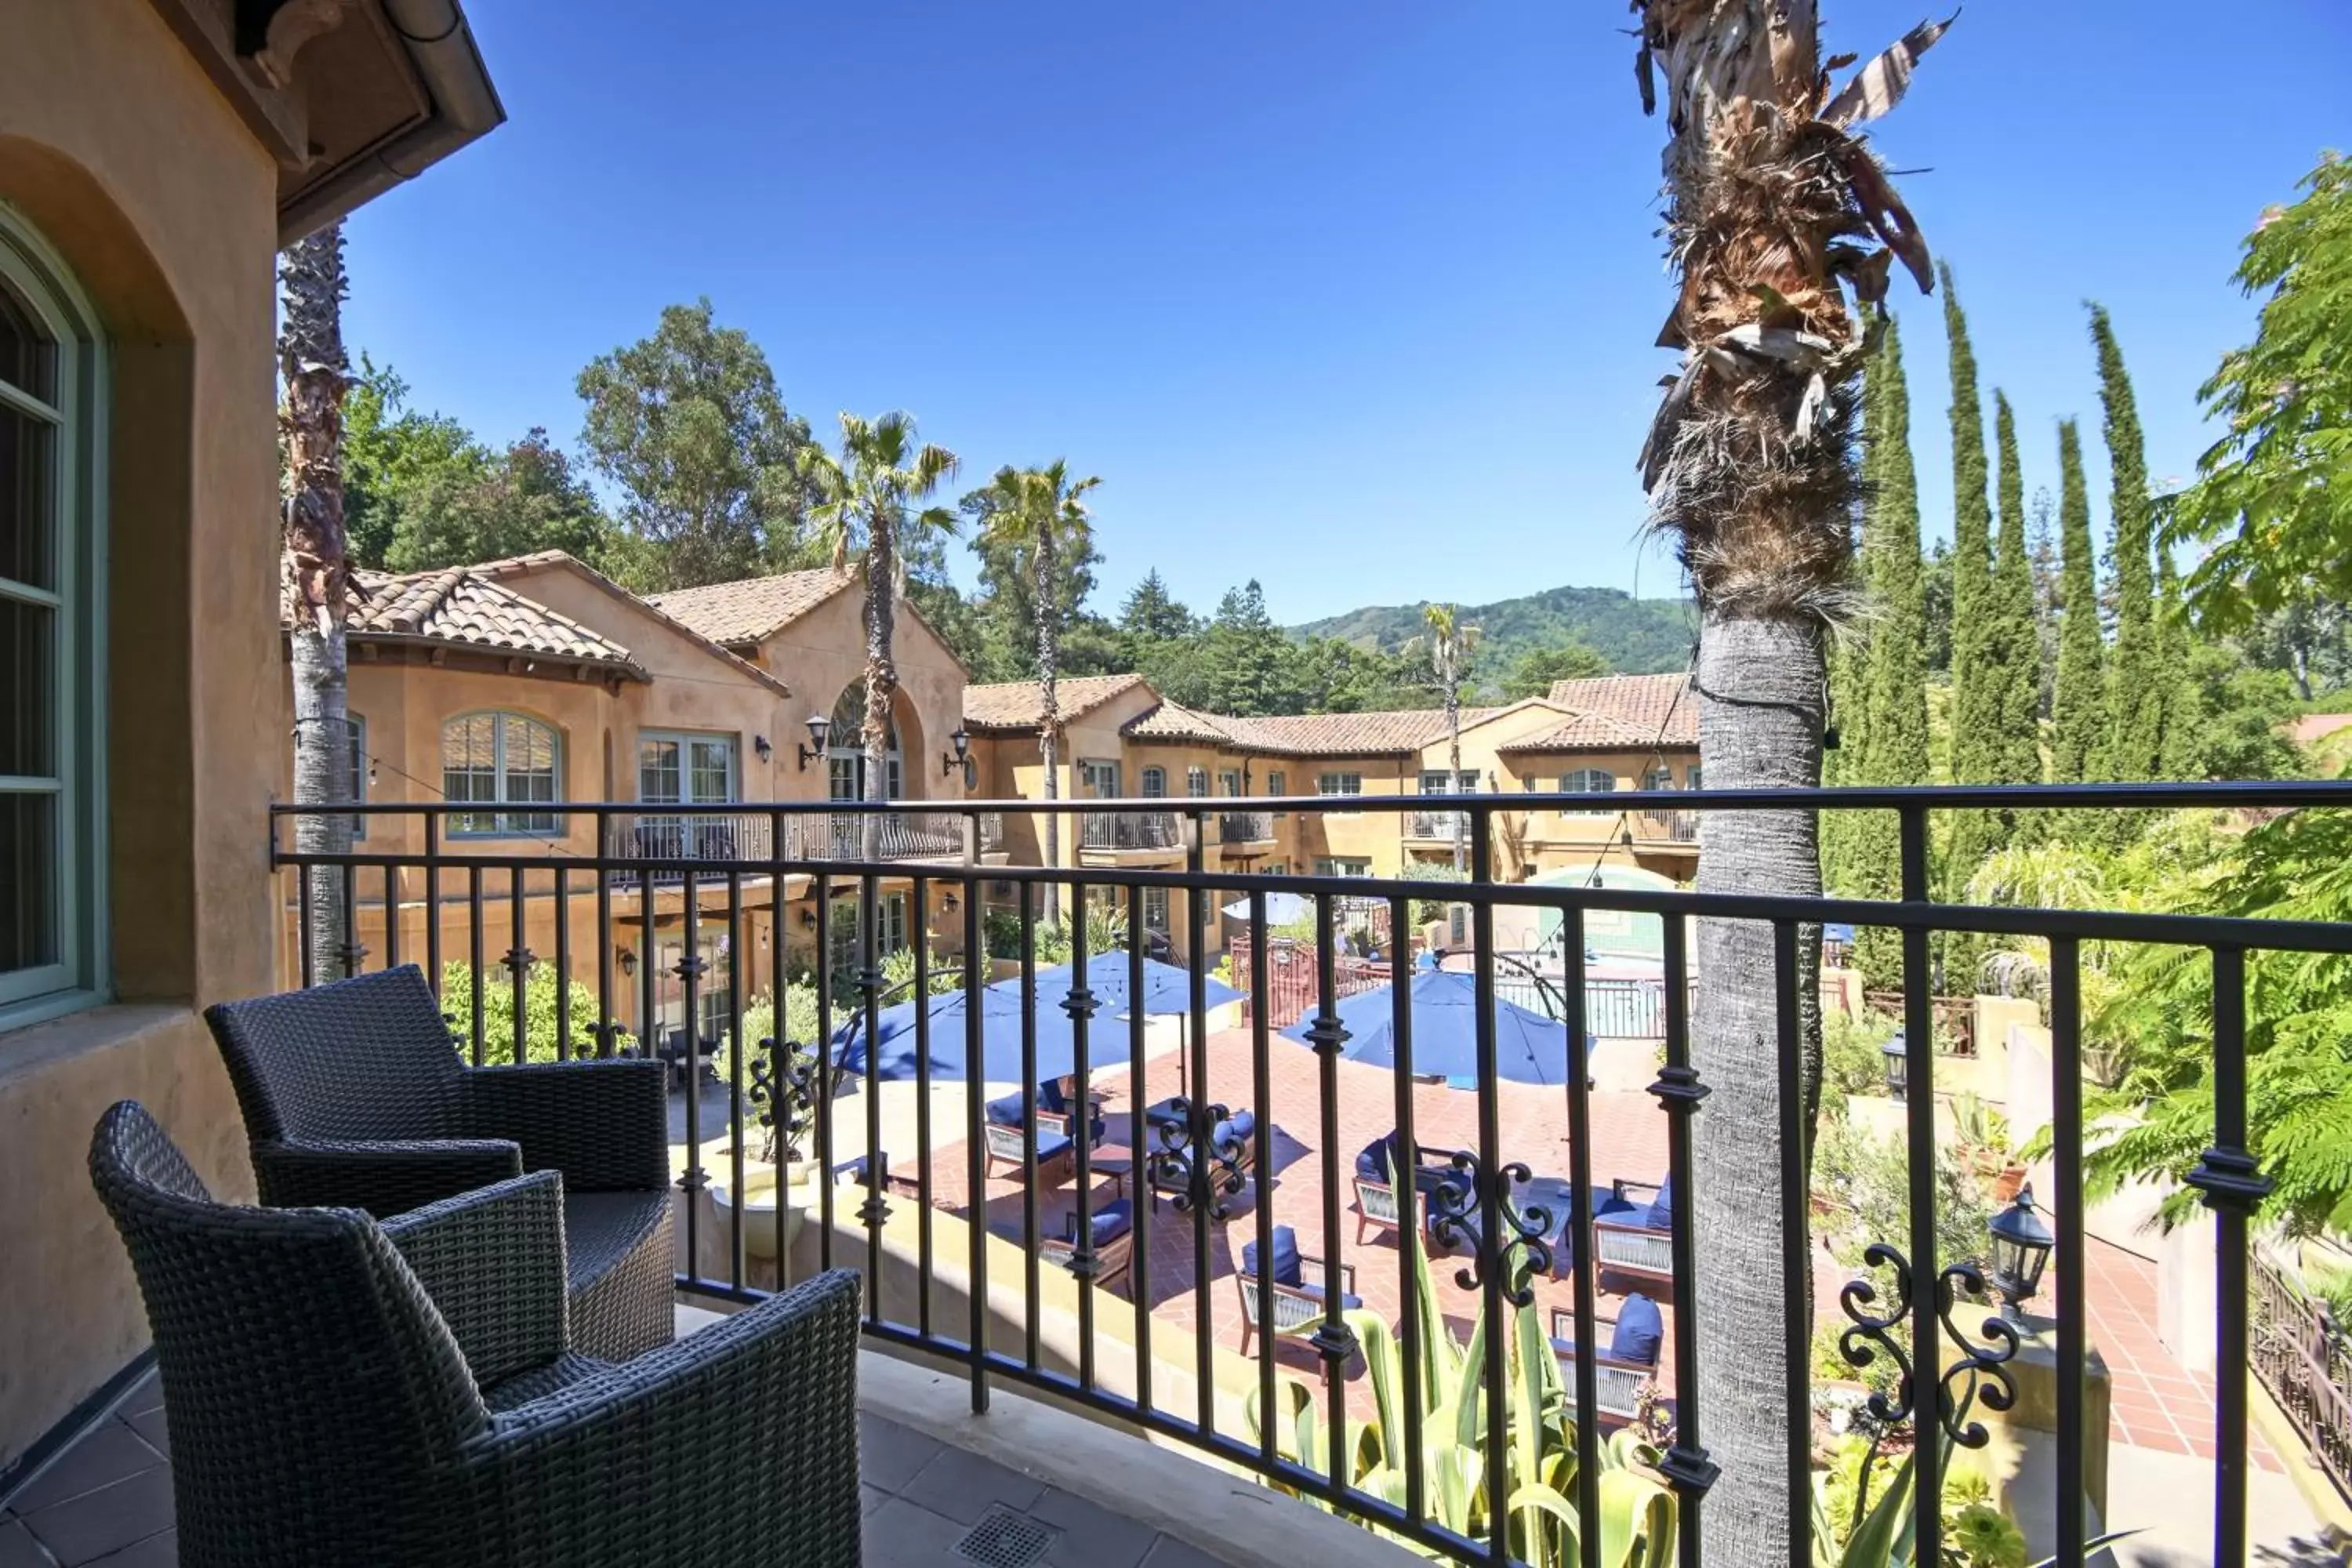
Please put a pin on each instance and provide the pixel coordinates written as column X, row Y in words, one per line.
column 54, row 954
column 1342, row 866
column 358, row 728
column 499, row 758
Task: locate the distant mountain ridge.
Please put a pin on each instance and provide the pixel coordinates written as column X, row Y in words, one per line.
column 1637, row 637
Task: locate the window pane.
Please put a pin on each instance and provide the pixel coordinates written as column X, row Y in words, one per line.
column 28, row 673
column 713, row 763
column 28, row 359
column 658, row 770
column 28, row 504
column 29, row 914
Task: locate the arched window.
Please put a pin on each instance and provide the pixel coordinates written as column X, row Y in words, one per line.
column 506, row 759
column 1155, row 783
column 1588, row 781
column 845, row 750
column 1196, row 783
column 52, row 720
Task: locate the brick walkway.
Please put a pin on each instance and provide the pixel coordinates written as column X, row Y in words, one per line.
column 2157, row 1403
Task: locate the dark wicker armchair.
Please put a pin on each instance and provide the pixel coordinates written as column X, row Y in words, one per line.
column 354, row 1096
column 380, row 1395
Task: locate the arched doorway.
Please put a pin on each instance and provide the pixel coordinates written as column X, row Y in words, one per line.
column 845, row 751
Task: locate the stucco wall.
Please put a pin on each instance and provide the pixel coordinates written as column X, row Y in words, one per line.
column 823, row 652
column 118, row 150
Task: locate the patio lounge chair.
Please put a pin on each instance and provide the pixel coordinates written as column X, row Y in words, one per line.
column 372, row 1395
column 1169, row 1171
column 1300, row 1286
column 1008, row 1144
column 1625, row 1366
column 1375, row 1183
column 1114, row 1228
column 1633, row 1231
column 354, row 1097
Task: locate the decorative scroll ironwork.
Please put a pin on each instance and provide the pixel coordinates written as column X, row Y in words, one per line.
column 1195, row 1167
column 1980, row 1372
column 783, row 1099
column 1873, row 1334
column 1457, row 1215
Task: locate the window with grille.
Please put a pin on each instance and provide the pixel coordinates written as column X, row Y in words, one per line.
column 503, row 760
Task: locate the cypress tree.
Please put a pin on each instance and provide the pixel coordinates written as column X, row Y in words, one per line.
column 2013, row 646
column 2135, row 698
column 1849, row 658
column 2182, row 707
column 2078, row 706
column 1895, row 749
column 1975, row 717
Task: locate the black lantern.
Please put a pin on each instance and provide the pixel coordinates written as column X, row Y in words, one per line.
column 2020, row 1249
column 1896, row 1058
column 818, row 725
column 765, row 747
column 963, row 744
column 628, row 961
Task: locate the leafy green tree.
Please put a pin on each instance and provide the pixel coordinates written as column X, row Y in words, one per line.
column 1533, row 671
column 526, row 498
column 2310, row 640
column 2078, row 705
column 863, row 511
column 1334, row 676
column 391, row 455
column 1036, row 518
column 689, row 424
column 2012, row 644
column 540, row 1035
column 2042, row 561
column 2137, row 689
column 1248, row 661
column 1937, row 630
column 1975, row 714
column 1151, row 614
column 1009, row 597
column 2271, row 495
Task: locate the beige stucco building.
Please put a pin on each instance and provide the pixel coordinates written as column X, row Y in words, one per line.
column 152, row 159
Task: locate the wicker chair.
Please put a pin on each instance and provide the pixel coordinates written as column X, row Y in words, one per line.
column 354, row 1096
column 380, row 1396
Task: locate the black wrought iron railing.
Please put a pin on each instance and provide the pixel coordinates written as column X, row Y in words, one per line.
column 1244, row 826
column 1099, row 829
column 2304, row 1357
column 1436, row 826
column 1502, row 1213
column 715, row 839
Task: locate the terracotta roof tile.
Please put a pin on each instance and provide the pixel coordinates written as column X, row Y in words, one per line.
column 1585, row 732
column 558, row 560
column 1660, row 707
column 1173, row 721
column 462, row 608
column 752, row 608
column 1021, row 704
column 1348, row 734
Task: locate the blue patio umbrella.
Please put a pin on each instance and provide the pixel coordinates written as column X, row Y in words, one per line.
column 895, row 1039
column 1281, row 908
column 1166, row 987
column 1528, row 1047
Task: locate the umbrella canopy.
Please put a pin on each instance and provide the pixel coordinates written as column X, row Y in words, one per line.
column 1528, row 1047
column 1281, row 908
column 1166, row 988
column 895, row 1039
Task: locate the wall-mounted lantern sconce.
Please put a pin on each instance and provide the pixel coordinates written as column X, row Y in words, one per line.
column 949, row 902
column 808, row 920
column 815, row 751
column 628, row 961
column 1493, row 784
column 764, row 746
column 954, row 760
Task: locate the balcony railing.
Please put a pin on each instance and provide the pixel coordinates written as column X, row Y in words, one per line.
column 1681, row 826
column 1129, row 830
column 717, row 839
column 1512, row 1198
column 1244, row 826
column 1436, row 826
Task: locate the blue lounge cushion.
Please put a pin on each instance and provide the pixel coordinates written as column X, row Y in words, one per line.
column 1049, row 1097
column 1382, row 1158
column 1236, row 1128
column 1641, row 1330
column 1052, row 1146
column 1006, row 1112
column 1109, row 1223
column 1661, row 1208
column 1346, row 1303
column 1286, row 1257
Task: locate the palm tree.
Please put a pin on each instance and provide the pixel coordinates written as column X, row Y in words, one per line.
column 1451, row 649
column 1782, row 224
column 319, row 583
column 862, row 514
column 1037, row 510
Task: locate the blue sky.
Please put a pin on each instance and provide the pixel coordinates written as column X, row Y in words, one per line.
column 1353, row 296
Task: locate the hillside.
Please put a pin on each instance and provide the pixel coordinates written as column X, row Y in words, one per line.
column 1637, row 637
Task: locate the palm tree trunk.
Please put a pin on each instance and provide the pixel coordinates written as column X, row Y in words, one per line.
column 1049, row 715
column 881, row 672
column 1761, row 681
column 1453, row 771
column 318, row 572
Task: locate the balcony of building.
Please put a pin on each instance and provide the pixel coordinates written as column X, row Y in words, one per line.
column 1129, row 838
column 1245, row 832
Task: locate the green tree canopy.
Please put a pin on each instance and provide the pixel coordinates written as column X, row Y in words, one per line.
column 1151, row 614
column 526, row 498
column 2273, row 495
column 1533, row 673
column 391, row 454
column 2078, row 704
column 2012, row 643
column 1249, row 663
column 689, row 424
column 2136, row 689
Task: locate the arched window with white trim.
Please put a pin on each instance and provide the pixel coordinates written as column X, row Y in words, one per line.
column 507, row 760
column 845, row 751
column 52, row 588
column 1588, row 781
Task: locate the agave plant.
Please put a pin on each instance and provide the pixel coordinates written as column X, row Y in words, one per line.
column 1637, row 1512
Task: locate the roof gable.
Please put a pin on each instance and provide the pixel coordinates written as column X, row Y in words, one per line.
column 752, row 609
column 638, row 604
column 1021, row 704
column 457, row 606
column 1661, row 708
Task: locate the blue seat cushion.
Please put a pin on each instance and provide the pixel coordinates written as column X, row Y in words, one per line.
column 1346, row 1303
column 1286, row 1257
column 1380, row 1160
column 1641, row 1330
column 1661, row 1208
column 1052, row 1146
column 1236, row 1128
column 1109, row 1223
column 1609, row 1206
column 1006, row 1112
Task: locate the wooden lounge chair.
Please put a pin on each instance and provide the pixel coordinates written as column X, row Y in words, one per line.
column 1624, row 1363
column 1633, row 1232
column 1114, row 1228
column 1008, row 1143
column 1300, row 1286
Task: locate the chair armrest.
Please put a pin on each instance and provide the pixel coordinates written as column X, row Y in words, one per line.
column 493, row 1262
column 384, row 1178
column 1322, row 1271
column 1633, row 1191
column 604, row 1124
column 776, row 1386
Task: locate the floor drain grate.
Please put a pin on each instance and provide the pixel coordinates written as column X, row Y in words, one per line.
column 1006, row 1539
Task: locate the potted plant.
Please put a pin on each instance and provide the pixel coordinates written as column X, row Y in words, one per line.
column 1983, row 1136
